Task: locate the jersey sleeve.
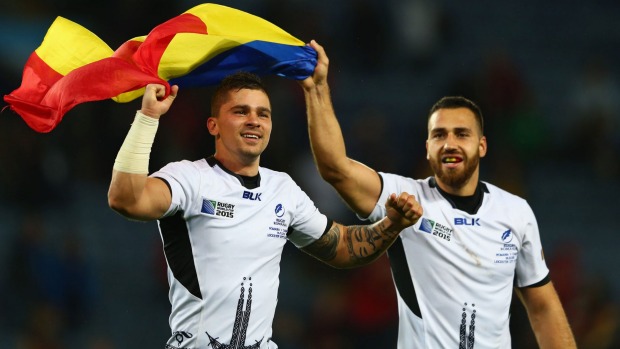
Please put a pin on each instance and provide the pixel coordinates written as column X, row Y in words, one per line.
column 531, row 266
column 390, row 183
column 308, row 223
column 180, row 177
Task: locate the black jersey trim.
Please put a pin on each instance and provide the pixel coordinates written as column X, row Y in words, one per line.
column 250, row 182
column 469, row 204
column 402, row 276
column 167, row 184
column 543, row 282
column 327, row 227
column 178, row 252
column 330, row 222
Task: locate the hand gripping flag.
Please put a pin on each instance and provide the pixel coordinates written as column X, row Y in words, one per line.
column 197, row 48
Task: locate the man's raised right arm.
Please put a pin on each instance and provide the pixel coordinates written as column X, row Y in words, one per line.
column 357, row 184
column 132, row 193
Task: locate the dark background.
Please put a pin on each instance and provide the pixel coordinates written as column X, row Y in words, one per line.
column 73, row 274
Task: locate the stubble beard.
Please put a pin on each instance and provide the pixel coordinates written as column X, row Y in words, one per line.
column 455, row 177
column 252, row 153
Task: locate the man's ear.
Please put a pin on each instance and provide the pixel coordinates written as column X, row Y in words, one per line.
column 482, row 147
column 212, row 125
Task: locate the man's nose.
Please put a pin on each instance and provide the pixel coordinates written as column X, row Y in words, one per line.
column 450, row 142
column 252, row 119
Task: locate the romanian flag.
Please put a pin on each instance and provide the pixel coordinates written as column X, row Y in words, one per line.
column 197, row 48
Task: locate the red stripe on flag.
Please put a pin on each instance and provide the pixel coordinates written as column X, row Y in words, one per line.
column 45, row 95
column 37, row 79
column 127, row 49
column 149, row 54
column 114, row 76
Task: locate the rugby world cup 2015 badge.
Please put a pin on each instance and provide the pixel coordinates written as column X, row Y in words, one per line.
column 217, row 208
column 436, row 229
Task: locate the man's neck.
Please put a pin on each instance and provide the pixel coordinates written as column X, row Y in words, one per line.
column 467, row 189
column 238, row 166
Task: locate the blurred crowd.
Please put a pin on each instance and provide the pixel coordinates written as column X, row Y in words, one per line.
column 75, row 275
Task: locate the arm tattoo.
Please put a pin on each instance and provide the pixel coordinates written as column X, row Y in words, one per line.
column 365, row 243
column 325, row 247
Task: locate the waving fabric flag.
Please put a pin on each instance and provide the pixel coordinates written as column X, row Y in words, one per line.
column 197, row 48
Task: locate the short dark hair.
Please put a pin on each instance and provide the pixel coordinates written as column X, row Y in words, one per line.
column 454, row 102
column 236, row 81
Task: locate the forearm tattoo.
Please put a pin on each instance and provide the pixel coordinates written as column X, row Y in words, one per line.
column 364, row 242
column 325, row 248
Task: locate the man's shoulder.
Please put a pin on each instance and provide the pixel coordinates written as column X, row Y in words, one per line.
column 417, row 182
column 200, row 163
column 404, row 178
column 185, row 166
column 501, row 193
column 273, row 174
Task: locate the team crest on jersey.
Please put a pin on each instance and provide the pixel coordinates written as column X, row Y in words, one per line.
column 436, row 229
column 279, row 210
column 217, row 208
column 507, row 236
column 279, row 229
column 508, row 252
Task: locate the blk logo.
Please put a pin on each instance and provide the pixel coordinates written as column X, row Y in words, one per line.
column 466, row 221
column 251, row 196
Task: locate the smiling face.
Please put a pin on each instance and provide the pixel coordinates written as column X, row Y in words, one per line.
column 454, row 147
column 242, row 128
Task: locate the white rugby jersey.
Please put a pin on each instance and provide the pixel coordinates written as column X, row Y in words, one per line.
column 454, row 272
column 223, row 244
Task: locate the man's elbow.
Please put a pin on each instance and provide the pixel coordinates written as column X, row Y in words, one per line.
column 331, row 175
column 119, row 205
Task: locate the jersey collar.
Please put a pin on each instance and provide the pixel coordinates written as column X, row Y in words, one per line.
column 252, row 182
column 469, row 204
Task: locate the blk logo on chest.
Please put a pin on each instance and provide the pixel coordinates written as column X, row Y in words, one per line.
column 467, row 221
column 251, row 196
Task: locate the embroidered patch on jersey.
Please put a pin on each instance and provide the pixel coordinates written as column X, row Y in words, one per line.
column 280, row 226
column 279, row 210
column 508, row 253
column 427, row 225
column 507, row 236
column 436, row 229
column 217, row 208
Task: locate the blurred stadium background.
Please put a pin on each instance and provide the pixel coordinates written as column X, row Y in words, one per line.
column 73, row 274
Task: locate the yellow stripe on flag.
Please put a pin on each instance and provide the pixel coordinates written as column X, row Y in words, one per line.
column 189, row 50
column 68, row 46
column 231, row 23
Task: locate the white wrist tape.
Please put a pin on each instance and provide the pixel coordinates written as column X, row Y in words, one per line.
column 133, row 157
